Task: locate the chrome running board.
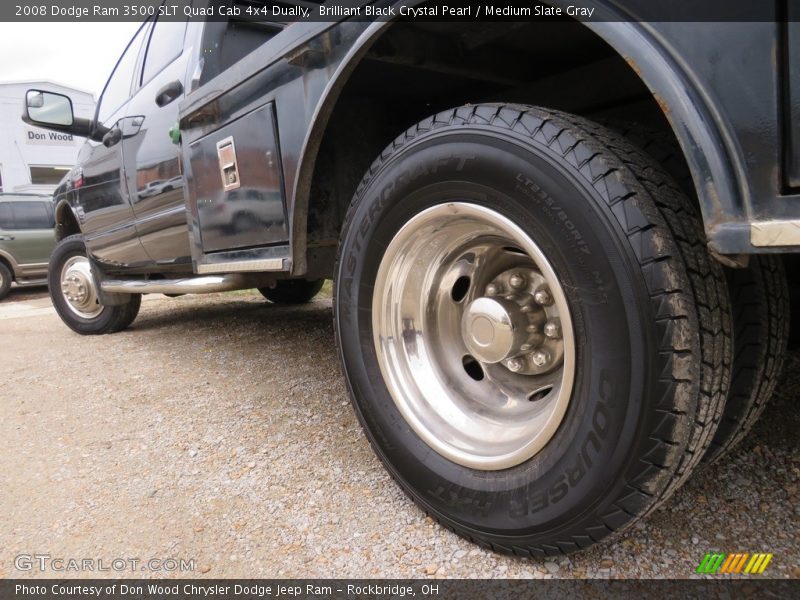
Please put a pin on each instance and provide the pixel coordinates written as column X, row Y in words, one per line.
column 188, row 285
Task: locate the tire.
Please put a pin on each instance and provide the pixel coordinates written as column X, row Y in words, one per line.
column 761, row 308
column 292, row 291
column 759, row 298
column 6, row 277
column 91, row 318
column 663, row 149
column 651, row 339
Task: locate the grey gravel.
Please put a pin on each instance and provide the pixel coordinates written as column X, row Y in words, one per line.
column 551, row 567
column 218, row 428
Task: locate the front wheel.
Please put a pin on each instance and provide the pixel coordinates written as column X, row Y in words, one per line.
column 531, row 338
column 74, row 294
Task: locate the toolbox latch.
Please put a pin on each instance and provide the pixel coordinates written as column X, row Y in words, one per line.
column 228, row 167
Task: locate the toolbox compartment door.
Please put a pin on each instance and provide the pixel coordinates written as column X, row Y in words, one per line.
column 236, row 192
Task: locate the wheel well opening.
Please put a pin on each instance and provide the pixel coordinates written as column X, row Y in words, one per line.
column 66, row 223
column 413, row 70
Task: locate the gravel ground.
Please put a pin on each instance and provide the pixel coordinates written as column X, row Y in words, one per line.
column 218, row 429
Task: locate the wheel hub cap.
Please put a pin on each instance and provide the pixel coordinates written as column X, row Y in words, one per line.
column 494, row 329
column 473, row 336
column 77, row 287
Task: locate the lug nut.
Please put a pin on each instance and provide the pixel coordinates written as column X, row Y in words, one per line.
column 492, row 289
column 516, row 281
column 525, row 347
column 532, row 328
column 552, row 329
column 543, row 297
column 540, row 358
column 514, row 364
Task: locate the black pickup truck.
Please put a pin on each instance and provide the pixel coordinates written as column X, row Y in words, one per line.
column 558, row 247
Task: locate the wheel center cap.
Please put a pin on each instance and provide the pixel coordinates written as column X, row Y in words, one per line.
column 482, row 330
column 489, row 331
column 77, row 287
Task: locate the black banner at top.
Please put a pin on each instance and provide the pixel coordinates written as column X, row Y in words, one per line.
column 292, row 11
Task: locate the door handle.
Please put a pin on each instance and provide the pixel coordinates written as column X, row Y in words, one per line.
column 113, row 136
column 6, row 238
column 169, row 92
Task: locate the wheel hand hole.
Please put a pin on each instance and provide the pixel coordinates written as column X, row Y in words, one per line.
column 539, row 394
column 460, row 288
column 473, row 367
column 514, row 250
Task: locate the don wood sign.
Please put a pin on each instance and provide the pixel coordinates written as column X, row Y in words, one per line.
column 49, row 138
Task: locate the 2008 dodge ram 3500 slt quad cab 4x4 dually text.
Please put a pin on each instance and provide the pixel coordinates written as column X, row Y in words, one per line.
column 557, row 247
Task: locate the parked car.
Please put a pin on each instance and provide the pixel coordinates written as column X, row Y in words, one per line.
column 27, row 238
column 556, row 246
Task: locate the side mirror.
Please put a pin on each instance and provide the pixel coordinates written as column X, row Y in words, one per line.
column 49, row 108
column 54, row 111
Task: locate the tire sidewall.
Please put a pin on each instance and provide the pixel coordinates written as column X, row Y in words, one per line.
column 584, row 465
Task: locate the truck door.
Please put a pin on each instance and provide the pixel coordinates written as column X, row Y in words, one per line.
column 103, row 201
column 153, row 166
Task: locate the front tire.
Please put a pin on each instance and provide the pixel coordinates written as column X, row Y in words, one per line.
column 489, row 189
column 74, row 295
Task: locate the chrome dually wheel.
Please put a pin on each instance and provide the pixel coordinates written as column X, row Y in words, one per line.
column 473, row 336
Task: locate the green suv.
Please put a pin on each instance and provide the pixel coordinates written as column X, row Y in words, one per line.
column 26, row 239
